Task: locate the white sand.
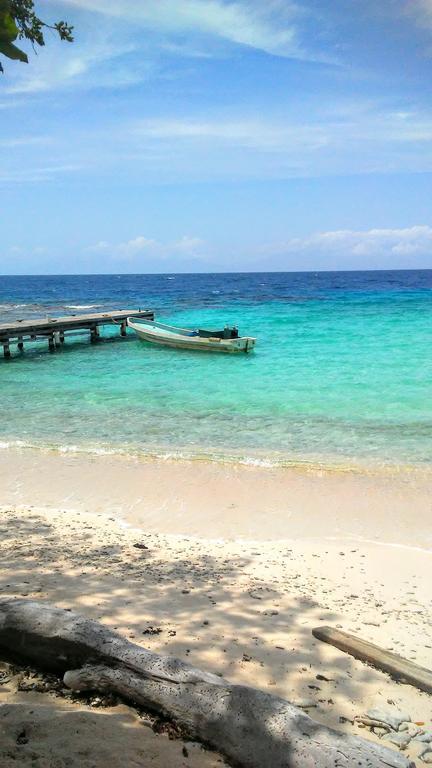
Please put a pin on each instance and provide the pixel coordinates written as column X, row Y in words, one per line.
column 233, row 592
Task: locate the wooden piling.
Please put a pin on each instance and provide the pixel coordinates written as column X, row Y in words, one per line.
column 399, row 668
column 20, row 344
column 123, row 328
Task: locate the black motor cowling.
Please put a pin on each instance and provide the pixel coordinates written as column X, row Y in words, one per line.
column 227, row 333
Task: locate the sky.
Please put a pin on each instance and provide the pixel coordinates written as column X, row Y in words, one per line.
column 220, row 135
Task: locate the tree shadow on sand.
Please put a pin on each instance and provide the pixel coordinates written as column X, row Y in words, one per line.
column 47, row 735
column 213, row 610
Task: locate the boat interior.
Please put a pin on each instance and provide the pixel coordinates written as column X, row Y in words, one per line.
column 225, row 333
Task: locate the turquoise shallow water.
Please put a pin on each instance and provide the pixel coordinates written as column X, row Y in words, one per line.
column 342, row 371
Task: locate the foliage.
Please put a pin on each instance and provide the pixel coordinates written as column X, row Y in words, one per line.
column 18, row 19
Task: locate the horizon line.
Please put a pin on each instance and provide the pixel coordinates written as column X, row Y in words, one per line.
column 231, row 272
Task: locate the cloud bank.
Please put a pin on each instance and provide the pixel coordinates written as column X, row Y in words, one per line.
column 377, row 248
column 363, row 249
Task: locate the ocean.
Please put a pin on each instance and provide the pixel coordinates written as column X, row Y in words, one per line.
column 341, row 374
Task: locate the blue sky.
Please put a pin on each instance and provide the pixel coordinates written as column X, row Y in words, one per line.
column 202, row 135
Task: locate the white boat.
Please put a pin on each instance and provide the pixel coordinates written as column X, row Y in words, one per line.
column 227, row 340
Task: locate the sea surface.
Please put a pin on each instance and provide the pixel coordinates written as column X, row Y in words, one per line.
column 341, row 374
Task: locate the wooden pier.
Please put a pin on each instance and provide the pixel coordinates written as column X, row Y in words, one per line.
column 55, row 329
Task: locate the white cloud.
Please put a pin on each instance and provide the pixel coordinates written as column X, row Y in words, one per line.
column 255, row 134
column 357, row 249
column 226, row 144
column 137, row 244
column 267, row 26
column 25, row 141
column 236, row 143
column 119, row 44
column 282, row 146
column 219, row 146
column 17, row 250
column 407, row 241
column 186, row 246
column 83, row 64
column 36, row 174
column 421, row 10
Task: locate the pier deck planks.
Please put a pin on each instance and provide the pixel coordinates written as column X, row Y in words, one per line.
column 21, row 330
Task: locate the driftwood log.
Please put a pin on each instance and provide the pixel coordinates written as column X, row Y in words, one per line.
column 399, row 668
column 251, row 728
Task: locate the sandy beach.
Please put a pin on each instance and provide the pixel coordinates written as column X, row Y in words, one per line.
column 238, row 565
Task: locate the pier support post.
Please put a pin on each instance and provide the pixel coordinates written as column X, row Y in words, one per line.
column 61, row 337
column 51, row 343
column 94, row 334
column 20, row 344
column 6, row 349
column 123, row 328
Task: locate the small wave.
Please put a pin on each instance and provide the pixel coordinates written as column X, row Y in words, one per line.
column 211, row 456
column 250, row 462
column 64, row 449
column 84, row 449
column 82, row 306
column 6, row 444
column 180, row 454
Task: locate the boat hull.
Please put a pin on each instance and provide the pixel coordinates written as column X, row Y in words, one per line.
column 195, row 343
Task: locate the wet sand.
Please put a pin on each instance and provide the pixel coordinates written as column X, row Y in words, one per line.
column 216, row 500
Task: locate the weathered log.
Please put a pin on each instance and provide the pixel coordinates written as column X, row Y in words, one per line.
column 251, row 728
column 399, row 668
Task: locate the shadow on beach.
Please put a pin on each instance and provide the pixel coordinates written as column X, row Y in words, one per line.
column 244, row 611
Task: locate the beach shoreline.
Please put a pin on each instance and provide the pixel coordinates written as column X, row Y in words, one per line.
column 215, row 500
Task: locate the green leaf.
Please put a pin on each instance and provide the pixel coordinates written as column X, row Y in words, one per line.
column 8, row 28
column 18, row 19
column 12, row 52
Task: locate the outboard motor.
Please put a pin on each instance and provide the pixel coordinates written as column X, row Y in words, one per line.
column 227, row 333
column 230, row 333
